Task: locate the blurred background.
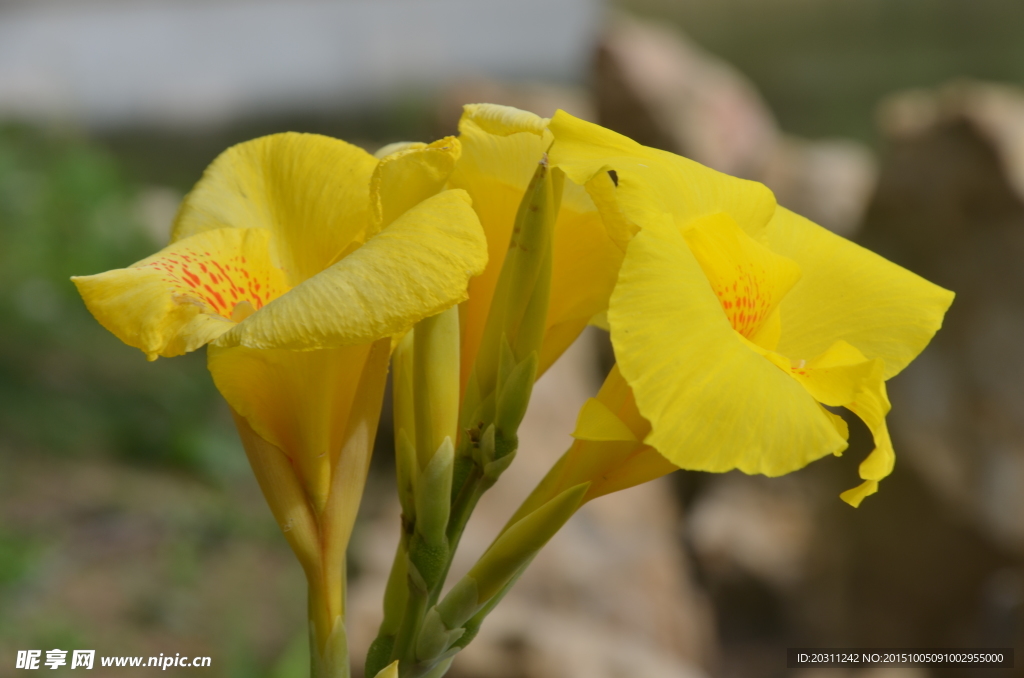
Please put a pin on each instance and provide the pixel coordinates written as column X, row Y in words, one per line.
column 129, row 521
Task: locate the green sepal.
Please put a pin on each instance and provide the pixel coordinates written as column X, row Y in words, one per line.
column 505, row 444
column 461, row 603
column 463, row 467
column 515, row 395
column 484, row 450
column 417, row 581
column 406, row 473
column 534, row 324
column 378, row 657
column 433, row 495
column 435, row 637
column 430, row 561
column 472, row 626
column 521, row 541
column 494, row 469
column 396, row 592
column 471, row 400
column 441, row 668
column 528, row 259
column 506, row 363
column 333, row 661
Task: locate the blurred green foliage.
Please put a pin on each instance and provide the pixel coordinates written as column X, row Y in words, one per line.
column 66, row 384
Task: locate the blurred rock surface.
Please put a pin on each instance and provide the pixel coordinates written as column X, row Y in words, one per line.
column 950, row 206
column 655, row 86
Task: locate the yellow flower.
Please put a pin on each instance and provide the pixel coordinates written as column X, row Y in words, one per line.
column 297, row 258
column 501, row 149
column 734, row 321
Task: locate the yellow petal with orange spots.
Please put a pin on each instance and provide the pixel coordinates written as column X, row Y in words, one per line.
column 187, row 294
column 749, row 279
column 713, row 403
column 416, row 267
column 310, row 192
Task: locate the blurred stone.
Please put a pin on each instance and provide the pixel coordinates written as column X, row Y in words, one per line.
column 761, row 526
column 609, row 596
column 829, row 181
column 655, row 86
column 950, row 206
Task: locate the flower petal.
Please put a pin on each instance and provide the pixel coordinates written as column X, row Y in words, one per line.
column 407, row 176
column 871, row 405
column 836, row 376
column 416, row 267
column 597, row 422
column 310, row 191
column 651, row 182
column 501, row 149
column 585, row 264
column 714, row 404
column 187, row 294
column 285, row 495
column 850, row 293
column 749, row 279
column 298, row 401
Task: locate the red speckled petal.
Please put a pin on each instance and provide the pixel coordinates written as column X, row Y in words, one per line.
column 188, row 294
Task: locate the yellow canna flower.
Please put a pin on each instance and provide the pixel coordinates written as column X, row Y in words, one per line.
column 297, row 258
column 501, row 149
column 734, row 321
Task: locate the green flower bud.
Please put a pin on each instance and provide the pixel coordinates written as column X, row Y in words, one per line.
column 436, row 381
column 433, row 495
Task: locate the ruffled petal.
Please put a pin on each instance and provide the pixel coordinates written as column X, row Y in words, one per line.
column 849, row 293
column 652, row 182
column 408, row 175
column 310, row 191
column 502, row 121
column 871, row 405
column 187, row 294
column 416, row 267
column 714, row 404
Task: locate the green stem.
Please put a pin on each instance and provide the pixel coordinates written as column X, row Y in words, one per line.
column 328, row 655
column 462, row 510
column 409, row 631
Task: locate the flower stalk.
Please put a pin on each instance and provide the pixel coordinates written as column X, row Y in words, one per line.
column 440, row 485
